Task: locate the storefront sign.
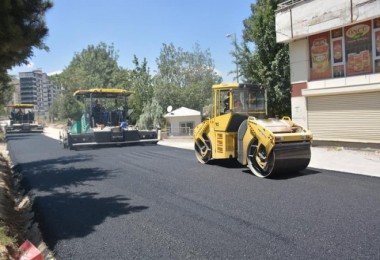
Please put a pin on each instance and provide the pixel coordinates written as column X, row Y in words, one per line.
column 320, row 65
column 358, row 49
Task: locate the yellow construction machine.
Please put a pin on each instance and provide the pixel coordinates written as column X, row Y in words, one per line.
column 239, row 129
column 22, row 120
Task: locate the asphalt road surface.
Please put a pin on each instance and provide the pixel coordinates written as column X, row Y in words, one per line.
column 157, row 202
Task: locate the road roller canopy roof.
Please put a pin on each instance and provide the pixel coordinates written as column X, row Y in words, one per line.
column 21, row 106
column 102, row 93
column 235, row 86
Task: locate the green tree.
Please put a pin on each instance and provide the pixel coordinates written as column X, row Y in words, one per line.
column 22, row 28
column 141, row 83
column 184, row 78
column 6, row 90
column 94, row 67
column 267, row 62
column 151, row 116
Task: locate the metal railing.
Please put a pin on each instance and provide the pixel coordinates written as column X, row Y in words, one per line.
column 180, row 131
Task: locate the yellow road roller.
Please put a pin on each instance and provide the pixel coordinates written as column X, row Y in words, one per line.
column 239, row 129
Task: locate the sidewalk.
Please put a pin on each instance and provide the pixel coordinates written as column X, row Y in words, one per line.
column 364, row 162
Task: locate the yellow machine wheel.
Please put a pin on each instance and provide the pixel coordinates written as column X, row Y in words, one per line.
column 203, row 150
column 260, row 164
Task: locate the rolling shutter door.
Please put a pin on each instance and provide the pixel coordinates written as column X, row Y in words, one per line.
column 347, row 117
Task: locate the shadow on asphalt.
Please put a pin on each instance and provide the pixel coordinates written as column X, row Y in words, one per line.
column 227, row 163
column 46, row 175
column 19, row 136
column 62, row 213
column 102, row 146
column 290, row 175
column 234, row 164
column 62, row 216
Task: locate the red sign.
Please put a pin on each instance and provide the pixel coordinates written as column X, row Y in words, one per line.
column 358, row 49
column 377, row 43
column 320, row 65
column 27, row 251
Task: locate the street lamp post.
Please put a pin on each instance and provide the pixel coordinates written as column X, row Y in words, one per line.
column 233, row 37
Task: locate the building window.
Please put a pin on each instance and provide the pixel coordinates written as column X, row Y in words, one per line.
column 358, row 49
column 186, row 128
column 222, row 102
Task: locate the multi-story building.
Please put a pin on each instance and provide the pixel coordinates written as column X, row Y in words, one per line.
column 334, row 49
column 35, row 88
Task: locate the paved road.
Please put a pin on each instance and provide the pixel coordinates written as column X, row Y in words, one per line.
column 157, row 202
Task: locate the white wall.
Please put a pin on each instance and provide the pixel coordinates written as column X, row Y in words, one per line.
column 312, row 17
column 175, row 121
column 299, row 60
column 299, row 111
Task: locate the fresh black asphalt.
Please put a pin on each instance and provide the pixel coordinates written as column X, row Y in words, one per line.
column 157, row 202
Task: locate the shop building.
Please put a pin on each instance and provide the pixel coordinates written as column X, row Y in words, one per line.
column 334, row 49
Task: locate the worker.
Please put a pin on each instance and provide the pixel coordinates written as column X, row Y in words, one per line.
column 96, row 113
column 19, row 115
column 226, row 104
column 69, row 122
column 237, row 105
column 19, row 112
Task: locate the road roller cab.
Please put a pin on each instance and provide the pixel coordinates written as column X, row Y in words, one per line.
column 239, row 129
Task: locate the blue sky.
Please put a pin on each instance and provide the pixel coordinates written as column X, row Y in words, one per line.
column 140, row 27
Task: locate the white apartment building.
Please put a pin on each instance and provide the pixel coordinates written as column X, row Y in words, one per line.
column 334, row 49
column 35, row 88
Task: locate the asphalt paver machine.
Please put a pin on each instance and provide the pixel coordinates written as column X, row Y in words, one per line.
column 239, row 129
column 22, row 119
column 104, row 121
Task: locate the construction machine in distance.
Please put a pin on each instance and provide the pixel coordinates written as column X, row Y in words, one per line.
column 239, row 129
column 104, row 121
column 22, row 119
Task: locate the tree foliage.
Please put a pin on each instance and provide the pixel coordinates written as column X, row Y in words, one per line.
column 22, row 28
column 6, row 89
column 184, row 78
column 66, row 106
column 151, row 116
column 267, row 63
column 141, row 83
column 94, row 67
